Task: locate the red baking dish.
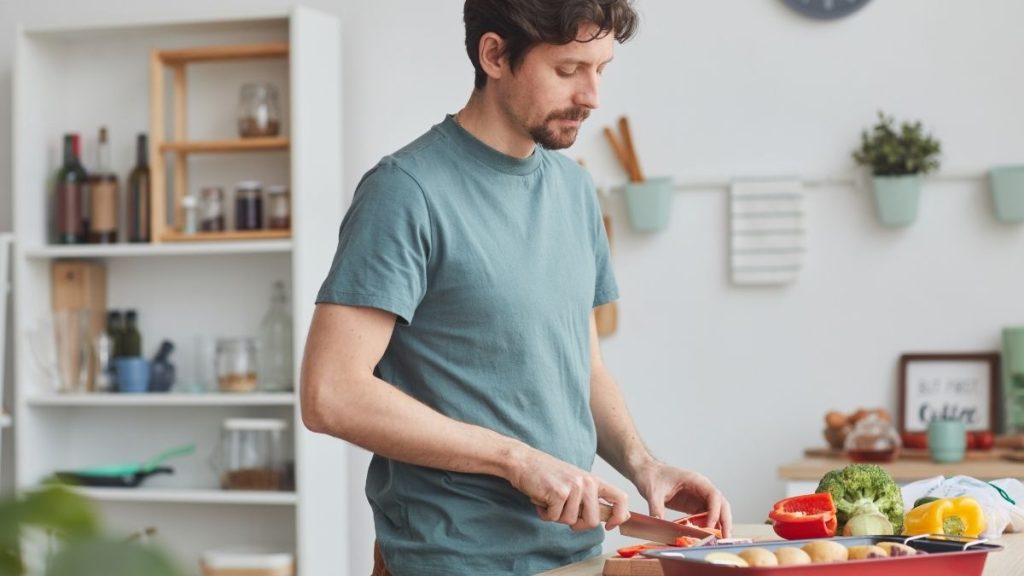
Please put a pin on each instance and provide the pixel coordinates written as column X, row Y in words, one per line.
column 944, row 557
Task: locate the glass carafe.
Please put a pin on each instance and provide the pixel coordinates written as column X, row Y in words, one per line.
column 275, row 344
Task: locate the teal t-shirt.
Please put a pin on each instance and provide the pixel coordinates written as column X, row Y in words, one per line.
column 492, row 265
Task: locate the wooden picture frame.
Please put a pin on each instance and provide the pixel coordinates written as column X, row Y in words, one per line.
column 963, row 386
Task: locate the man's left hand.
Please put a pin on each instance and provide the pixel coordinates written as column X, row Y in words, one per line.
column 666, row 486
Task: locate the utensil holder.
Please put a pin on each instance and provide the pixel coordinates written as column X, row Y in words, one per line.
column 649, row 203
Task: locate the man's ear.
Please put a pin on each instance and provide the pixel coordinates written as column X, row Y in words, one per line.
column 493, row 60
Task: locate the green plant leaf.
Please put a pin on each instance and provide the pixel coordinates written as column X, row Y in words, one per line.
column 108, row 558
column 61, row 510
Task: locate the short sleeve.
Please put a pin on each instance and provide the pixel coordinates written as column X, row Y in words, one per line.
column 383, row 246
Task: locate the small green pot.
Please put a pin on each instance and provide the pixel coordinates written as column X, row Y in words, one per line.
column 649, row 203
column 1007, row 184
column 897, row 198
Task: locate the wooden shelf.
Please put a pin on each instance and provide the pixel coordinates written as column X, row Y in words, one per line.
column 226, row 146
column 232, row 235
column 215, row 53
column 205, row 246
column 162, row 400
column 186, row 496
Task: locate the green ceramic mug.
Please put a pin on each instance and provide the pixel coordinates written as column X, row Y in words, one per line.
column 947, row 440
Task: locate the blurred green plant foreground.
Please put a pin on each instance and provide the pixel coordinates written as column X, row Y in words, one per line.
column 55, row 532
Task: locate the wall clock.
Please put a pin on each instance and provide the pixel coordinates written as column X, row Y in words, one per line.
column 826, row 9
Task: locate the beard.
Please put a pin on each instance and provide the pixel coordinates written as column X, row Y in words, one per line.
column 553, row 138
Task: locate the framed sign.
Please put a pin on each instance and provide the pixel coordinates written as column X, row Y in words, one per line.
column 949, row 387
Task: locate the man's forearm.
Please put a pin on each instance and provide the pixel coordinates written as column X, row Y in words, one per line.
column 618, row 441
column 375, row 415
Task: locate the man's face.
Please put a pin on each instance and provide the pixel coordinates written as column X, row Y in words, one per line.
column 555, row 88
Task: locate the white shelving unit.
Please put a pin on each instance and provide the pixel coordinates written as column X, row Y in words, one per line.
column 5, row 419
column 75, row 80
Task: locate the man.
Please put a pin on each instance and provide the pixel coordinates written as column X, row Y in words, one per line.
column 454, row 335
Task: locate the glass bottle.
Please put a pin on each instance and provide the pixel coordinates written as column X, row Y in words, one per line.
column 275, row 344
column 139, row 195
column 103, row 192
column 132, row 339
column 115, row 327
column 72, row 181
column 258, row 111
column 191, row 207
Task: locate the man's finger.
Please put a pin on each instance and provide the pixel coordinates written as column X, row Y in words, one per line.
column 726, row 519
column 573, row 507
column 620, row 505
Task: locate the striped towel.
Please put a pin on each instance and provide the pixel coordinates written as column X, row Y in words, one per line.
column 767, row 230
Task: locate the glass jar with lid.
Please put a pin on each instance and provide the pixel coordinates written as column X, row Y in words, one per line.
column 252, row 454
column 211, row 209
column 279, row 210
column 248, row 205
column 259, row 114
column 236, row 364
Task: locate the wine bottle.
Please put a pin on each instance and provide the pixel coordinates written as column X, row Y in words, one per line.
column 139, row 194
column 72, row 181
column 103, row 195
column 132, row 338
column 275, row 344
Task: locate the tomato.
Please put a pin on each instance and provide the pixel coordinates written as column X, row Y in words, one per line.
column 983, row 440
column 917, row 440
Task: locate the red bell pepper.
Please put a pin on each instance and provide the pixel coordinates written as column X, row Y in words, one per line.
column 807, row 516
column 630, row 551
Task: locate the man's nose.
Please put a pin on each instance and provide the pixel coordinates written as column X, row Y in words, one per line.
column 587, row 92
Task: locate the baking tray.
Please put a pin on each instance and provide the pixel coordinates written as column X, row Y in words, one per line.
column 945, row 557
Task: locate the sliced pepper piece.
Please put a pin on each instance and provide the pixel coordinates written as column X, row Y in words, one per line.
column 960, row 516
column 807, row 516
column 630, row 551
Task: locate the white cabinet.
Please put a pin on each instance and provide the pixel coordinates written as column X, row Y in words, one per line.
column 75, row 80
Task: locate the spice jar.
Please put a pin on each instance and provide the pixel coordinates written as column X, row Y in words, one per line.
column 258, row 111
column 279, row 210
column 236, row 364
column 251, row 454
column 212, row 209
column 248, row 206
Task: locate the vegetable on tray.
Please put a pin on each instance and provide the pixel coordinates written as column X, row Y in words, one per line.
column 961, row 516
column 865, row 490
column 802, row 517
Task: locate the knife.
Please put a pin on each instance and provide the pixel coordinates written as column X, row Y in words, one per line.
column 654, row 529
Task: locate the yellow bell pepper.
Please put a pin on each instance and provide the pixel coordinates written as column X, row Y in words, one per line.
column 961, row 516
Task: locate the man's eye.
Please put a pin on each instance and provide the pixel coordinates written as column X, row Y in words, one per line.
column 566, row 72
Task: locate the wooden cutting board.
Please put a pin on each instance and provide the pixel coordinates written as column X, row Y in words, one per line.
column 632, row 567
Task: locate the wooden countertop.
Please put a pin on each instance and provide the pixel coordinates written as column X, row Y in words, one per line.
column 906, row 470
column 1008, row 562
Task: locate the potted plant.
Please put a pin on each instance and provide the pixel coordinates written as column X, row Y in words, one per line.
column 55, row 532
column 897, row 159
column 1007, row 184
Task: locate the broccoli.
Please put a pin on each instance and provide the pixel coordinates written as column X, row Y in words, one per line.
column 864, row 489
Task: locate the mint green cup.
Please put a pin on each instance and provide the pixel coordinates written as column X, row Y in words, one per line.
column 649, row 203
column 947, row 440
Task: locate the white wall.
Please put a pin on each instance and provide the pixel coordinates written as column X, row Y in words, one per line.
column 728, row 381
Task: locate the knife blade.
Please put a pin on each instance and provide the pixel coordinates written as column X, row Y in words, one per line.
column 654, row 529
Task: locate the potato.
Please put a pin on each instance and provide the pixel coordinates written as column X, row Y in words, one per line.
column 826, row 551
column 725, row 558
column 789, row 556
column 896, row 549
column 865, row 552
column 759, row 557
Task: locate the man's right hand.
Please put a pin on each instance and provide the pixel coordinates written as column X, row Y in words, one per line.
column 566, row 494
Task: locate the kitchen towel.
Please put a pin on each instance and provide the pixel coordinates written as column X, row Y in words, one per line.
column 766, row 230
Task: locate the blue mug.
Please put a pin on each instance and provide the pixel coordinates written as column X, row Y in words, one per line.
column 132, row 374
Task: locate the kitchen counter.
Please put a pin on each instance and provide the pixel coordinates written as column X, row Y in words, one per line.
column 1008, row 562
column 802, row 476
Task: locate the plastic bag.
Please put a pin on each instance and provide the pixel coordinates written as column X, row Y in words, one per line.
column 1001, row 500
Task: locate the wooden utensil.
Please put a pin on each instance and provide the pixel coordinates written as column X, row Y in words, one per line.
column 607, row 315
column 627, row 142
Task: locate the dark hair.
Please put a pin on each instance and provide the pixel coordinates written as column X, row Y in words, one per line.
column 525, row 23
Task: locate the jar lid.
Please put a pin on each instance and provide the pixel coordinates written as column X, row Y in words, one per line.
column 246, row 559
column 248, row 185
column 277, row 189
column 269, row 424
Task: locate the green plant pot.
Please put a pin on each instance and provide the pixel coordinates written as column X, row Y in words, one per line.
column 897, row 198
column 649, row 203
column 1007, row 184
